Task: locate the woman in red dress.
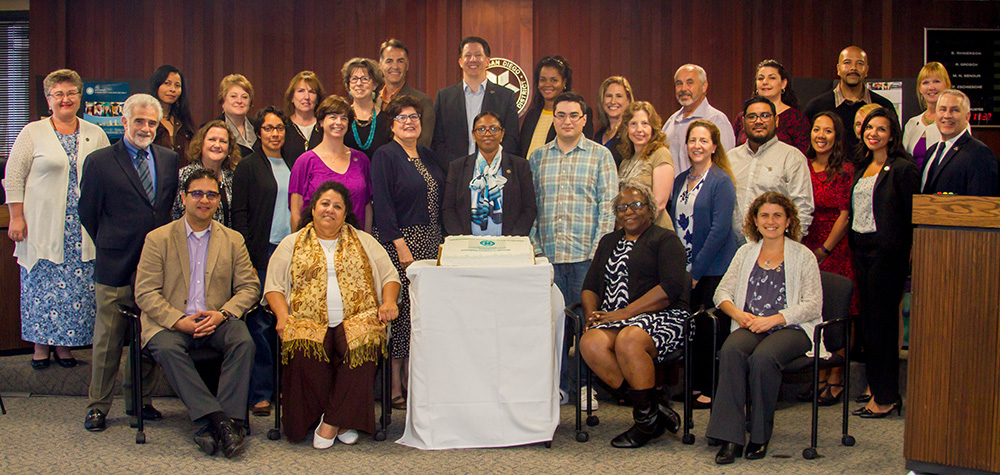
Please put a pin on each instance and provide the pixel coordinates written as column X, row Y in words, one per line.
column 831, row 181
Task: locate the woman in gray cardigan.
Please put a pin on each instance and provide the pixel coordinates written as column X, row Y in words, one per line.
column 773, row 294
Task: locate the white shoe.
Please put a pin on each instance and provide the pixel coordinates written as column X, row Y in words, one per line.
column 563, row 398
column 349, row 438
column 583, row 399
column 320, row 442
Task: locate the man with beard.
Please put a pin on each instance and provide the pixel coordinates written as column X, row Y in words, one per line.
column 126, row 190
column 764, row 163
column 394, row 59
column 849, row 95
column 690, row 86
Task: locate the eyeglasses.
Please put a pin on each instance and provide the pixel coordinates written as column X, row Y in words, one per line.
column 198, row 194
column 482, row 130
column 404, row 118
column 761, row 116
column 635, row 205
column 562, row 116
column 360, row 79
column 272, row 128
column 61, row 95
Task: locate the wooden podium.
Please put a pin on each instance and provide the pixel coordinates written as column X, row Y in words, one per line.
column 953, row 400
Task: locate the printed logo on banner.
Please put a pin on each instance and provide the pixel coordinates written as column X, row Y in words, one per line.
column 103, row 103
column 506, row 73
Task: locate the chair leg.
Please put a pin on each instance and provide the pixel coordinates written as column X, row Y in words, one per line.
column 846, row 438
column 275, row 432
column 386, row 418
column 570, row 313
column 687, row 438
column 3, row 409
column 135, row 363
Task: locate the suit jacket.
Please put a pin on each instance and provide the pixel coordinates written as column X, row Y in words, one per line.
column 451, row 127
column 531, row 120
column 968, row 168
column 892, row 201
column 426, row 117
column 163, row 276
column 254, row 193
column 116, row 212
column 519, row 206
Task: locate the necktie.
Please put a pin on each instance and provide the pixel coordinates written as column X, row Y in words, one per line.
column 931, row 168
column 144, row 176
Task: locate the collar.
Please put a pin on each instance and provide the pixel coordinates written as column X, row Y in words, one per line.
column 554, row 144
column 699, row 112
column 763, row 147
column 947, row 144
column 479, row 154
column 387, row 98
column 468, row 90
column 133, row 151
column 838, row 97
column 197, row 234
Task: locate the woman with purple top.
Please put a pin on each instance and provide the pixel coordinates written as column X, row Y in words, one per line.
column 332, row 160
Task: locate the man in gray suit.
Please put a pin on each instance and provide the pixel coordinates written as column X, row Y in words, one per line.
column 394, row 59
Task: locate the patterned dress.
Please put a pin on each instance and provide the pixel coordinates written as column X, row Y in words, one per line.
column 830, row 199
column 57, row 300
column 423, row 241
column 665, row 326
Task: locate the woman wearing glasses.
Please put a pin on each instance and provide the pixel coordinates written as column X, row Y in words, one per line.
column 635, row 300
column 369, row 128
column 407, row 188
column 56, row 258
column 332, row 160
column 213, row 147
column 489, row 193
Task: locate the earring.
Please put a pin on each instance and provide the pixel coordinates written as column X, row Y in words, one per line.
column 782, row 91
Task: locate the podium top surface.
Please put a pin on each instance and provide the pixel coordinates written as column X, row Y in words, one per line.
column 954, row 210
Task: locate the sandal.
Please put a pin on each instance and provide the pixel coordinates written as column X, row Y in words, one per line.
column 261, row 410
column 826, row 398
column 399, row 402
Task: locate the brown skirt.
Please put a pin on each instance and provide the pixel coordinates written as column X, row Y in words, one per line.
column 344, row 396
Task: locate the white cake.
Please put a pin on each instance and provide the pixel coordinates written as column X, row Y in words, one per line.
column 486, row 251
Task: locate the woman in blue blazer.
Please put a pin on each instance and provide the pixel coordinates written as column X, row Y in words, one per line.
column 702, row 206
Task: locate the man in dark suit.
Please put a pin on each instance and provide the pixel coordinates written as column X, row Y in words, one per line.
column 959, row 163
column 126, row 190
column 394, row 59
column 457, row 105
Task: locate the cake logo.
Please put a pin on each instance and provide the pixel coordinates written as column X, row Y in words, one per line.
column 506, row 73
column 487, row 243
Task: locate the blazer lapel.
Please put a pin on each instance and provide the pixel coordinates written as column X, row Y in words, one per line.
column 179, row 235
column 886, row 168
column 162, row 171
column 959, row 145
column 125, row 161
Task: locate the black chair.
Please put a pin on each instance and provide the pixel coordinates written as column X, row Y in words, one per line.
column 207, row 361
column 384, row 420
column 837, row 291
column 573, row 313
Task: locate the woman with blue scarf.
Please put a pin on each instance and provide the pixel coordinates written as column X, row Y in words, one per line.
column 489, row 193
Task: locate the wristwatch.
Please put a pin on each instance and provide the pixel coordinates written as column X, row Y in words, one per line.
column 229, row 315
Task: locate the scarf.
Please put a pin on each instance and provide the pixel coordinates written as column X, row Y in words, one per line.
column 487, row 183
column 307, row 321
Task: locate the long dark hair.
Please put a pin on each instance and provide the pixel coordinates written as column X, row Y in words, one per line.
column 349, row 218
column 559, row 64
column 787, row 94
column 863, row 156
column 835, row 165
column 180, row 108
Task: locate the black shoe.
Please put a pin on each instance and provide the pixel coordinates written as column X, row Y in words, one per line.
column 673, row 419
column 65, row 362
column 728, row 453
column 205, row 440
column 696, row 404
column 230, row 439
column 869, row 414
column 863, row 398
column 756, row 451
column 94, row 421
column 650, row 420
column 807, row 395
column 149, row 413
column 40, row 364
column 825, row 400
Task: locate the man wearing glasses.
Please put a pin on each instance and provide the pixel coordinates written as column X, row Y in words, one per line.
column 575, row 184
column 126, row 190
column 764, row 163
column 690, row 86
column 193, row 283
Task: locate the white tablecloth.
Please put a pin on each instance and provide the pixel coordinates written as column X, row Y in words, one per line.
column 483, row 360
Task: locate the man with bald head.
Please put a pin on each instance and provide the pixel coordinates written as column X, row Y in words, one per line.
column 850, row 94
column 690, row 86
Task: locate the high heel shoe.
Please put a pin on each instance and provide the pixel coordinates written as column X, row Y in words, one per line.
column 824, row 400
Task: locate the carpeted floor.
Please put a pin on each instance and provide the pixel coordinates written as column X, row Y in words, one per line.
column 46, row 435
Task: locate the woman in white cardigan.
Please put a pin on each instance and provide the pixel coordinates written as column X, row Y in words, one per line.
column 772, row 292
column 55, row 255
column 921, row 131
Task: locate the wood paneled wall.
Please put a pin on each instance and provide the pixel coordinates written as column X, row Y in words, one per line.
column 645, row 40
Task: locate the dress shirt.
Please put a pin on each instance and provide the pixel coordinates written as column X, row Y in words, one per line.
column 675, row 128
column 575, row 192
column 473, row 105
column 939, row 153
column 133, row 154
column 197, row 242
column 776, row 166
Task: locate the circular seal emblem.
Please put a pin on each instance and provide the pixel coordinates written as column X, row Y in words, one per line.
column 487, row 243
column 506, row 73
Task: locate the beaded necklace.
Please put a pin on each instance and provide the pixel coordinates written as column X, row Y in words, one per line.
column 371, row 132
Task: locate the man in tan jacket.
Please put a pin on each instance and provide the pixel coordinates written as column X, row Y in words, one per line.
column 193, row 283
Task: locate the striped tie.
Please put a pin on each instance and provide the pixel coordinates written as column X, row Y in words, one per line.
column 143, row 168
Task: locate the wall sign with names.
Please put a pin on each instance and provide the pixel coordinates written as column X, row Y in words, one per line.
column 972, row 58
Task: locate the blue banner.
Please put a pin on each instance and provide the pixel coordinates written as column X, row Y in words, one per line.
column 103, row 103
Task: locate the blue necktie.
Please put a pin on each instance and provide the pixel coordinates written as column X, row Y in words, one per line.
column 147, row 180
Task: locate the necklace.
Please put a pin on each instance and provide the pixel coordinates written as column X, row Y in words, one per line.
column 371, row 132
column 693, row 177
column 299, row 130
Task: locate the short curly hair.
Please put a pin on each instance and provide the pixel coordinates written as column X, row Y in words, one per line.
column 370, row 67
column 794, row 229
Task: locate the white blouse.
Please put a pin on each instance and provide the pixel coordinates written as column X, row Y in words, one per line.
column 864, row 215
column 334, row 301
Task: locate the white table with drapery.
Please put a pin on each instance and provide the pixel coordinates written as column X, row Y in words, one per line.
column 484, row 363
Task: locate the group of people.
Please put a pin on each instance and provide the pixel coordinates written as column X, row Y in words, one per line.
column 316, row 209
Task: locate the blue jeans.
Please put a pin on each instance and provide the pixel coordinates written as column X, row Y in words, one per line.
column 569, row 278
column 261, row 327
